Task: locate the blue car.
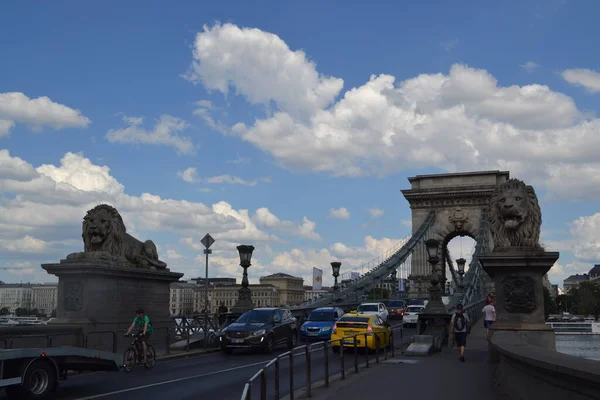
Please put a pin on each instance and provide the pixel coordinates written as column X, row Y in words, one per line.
column 319, row 324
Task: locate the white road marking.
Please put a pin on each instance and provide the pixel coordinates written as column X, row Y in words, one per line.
column 171, row 381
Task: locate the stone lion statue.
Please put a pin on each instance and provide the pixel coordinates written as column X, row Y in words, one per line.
column 515, row 216
column 104, row 236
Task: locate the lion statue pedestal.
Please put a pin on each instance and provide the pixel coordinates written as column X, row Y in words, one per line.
column 101, row 288
column 518, row 263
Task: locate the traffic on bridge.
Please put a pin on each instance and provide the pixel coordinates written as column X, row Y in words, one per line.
column 216, row 375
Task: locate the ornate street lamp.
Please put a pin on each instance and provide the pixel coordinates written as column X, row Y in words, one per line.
column 335, row 268
column 435, row 304
column 244, row 302
column 460, row 263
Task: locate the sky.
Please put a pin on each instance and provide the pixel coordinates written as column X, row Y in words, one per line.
column 291, row 126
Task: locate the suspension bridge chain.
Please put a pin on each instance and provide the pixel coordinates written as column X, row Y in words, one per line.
column 393, row 260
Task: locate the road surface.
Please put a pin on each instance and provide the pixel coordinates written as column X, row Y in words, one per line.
column 211, row 376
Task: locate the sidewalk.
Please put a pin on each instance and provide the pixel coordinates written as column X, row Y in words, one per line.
column 440, row 376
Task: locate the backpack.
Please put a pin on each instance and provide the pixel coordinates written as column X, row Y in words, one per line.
column 459, row 322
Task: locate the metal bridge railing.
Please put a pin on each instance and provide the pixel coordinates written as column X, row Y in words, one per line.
column 274, row 366
column 108, row 339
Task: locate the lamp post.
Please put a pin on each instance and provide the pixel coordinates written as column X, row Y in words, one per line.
column 244, row 302
column 460, row 263
column 335, row 268
column 435, row 304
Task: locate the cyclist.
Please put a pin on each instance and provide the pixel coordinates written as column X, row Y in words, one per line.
column 142, row 323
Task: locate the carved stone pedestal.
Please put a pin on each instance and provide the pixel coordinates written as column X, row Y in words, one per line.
column 102, row 296
column 518, row 276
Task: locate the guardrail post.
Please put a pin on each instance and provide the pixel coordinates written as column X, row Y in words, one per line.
column 308, row 373
column 263, row 385
column 342, row 370
column 187, row 344
column 355, row 355
column 326, row 364
column 377, row 342
column 292, row 374
column 277, row 378
column 168, row 349
column 385, row 346
column 366, row 351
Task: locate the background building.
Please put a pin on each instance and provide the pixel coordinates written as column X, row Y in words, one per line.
column 573, row 281
column 290, row 288
column 29, row 296
column 182, row 298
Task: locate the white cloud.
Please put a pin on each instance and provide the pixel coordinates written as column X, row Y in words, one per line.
column 586, row 78
column 460, row 121
column 233, row 180
column 267, row 219
column 15, row 107
column 300, row 262
column 530, row 66
column 586, row 236
column 262, row 67
column 48, row 203
column 26, row 244
column 5, row 127
column 165, row 132
column 189, row 175
column 407, row 223
column 340, row 213
column 376, row 212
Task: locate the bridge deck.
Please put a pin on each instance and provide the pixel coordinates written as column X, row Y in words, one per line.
column 441, row 376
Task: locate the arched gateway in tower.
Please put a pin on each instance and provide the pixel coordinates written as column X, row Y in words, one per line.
column 459, row 201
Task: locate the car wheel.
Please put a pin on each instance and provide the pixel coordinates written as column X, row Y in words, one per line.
column 293, row 340
column 269, row 344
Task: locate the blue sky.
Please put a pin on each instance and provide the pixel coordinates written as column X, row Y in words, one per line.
column 288, row 111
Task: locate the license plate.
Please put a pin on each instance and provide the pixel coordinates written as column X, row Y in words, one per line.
column 237, row 340
column 313, row 333
column 348, row 341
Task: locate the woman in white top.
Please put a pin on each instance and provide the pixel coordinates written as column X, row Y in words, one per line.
column 489, row 312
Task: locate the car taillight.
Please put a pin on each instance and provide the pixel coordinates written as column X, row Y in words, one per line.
column 369, row 329
column 334, row 330
column 406, row 313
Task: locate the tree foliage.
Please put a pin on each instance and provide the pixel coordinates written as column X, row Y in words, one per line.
column 550, row 306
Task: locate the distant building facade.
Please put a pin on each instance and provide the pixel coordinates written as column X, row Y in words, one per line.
column 310, row 293
column 573, row 281
column 42, row 297
column 594, row 272
column 290, row 288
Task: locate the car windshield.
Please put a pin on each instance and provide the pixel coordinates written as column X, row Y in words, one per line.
column 321, row 316
column 396, row 303
column 415, row 309
column 255, row 317
column 415, row 302
column 367, row 307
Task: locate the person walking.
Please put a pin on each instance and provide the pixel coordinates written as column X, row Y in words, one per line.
column 489, row 316
column 459, row 328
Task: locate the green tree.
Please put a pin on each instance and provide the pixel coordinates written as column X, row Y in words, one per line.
column 4, row 311
column 589, row 299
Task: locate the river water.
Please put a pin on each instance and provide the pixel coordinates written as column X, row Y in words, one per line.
column 586, row 346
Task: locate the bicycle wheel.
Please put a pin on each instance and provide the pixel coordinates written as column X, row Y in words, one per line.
column 129, row 359
column 151, row 357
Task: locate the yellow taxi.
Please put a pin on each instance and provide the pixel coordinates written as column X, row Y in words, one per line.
column 353, row 323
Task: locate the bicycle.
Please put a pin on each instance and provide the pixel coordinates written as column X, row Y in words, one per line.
column 134, row 355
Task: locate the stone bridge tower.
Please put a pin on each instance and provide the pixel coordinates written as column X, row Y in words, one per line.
column 458, row 200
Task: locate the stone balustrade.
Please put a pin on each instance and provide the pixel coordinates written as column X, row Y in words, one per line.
column 524, row 371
